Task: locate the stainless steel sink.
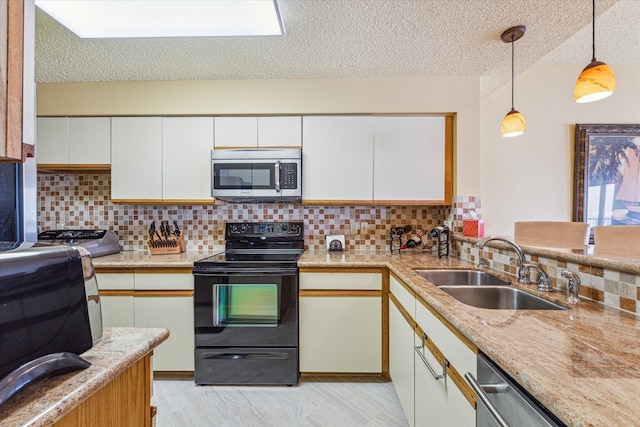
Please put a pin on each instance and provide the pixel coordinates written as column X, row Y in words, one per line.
column 462, row 278
column 499, row 297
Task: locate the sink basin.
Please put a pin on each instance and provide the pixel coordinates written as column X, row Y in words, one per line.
column 499, row 297
column 462, row 278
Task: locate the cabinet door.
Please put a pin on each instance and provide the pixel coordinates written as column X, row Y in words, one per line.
column 438, row 402
column 136, row 158
column 338, row 158
column 117, row 310
column 285, row 131
column 176, row 314
column 409, row 159
column 401, row 364
column 340, row 334
column 52, row 140
column 186, row 144
column 90, row 140
column 236, row 132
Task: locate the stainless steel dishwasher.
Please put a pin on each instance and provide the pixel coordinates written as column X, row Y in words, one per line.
column 502, row 402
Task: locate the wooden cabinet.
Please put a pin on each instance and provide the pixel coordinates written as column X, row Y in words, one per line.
column 340, row 321
column 74, row 142
column 258, row 132
column 161, row 160
column 401, row 335
column 337, row 158
column 15, row 57
column 153, row 298
column 124, row 401
column 379, row 160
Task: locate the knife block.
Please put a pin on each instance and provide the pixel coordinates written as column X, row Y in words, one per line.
column 170, row 245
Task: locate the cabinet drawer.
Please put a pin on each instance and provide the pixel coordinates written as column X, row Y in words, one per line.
column 405, row 297
column 117, row 310
column 339, row 281
column 118, row 281
column 459, row 354
column 163, row 281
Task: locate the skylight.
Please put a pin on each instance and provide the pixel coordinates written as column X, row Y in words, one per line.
column 166, row 18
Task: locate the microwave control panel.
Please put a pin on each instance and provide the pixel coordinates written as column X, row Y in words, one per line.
column 289, row 176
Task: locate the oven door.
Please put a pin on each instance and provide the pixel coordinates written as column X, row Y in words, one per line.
column 246, row 308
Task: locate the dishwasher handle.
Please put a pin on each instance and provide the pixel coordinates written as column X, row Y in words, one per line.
column 482, row 395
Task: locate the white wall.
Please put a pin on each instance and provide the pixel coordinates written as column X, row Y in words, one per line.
column 530, row 177
column 333, row 96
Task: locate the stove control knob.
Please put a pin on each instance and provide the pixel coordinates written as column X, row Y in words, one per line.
column 243, row 227
column 295, row 229
column 233, row 229
column 284, row 227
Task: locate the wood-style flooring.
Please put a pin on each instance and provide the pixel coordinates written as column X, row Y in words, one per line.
column 319, row 401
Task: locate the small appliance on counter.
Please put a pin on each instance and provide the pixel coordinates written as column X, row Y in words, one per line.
column 97, row 242
column 50, row 314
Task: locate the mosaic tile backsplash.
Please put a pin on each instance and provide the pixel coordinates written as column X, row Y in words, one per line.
column 82, row 200
column 613, row 288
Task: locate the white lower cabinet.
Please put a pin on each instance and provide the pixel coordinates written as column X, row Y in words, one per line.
column 340, row 321
column 176, row 353
column 340, row 334
column 428, row 399
column 154, row 300
column 401, row 365
column 117, row 310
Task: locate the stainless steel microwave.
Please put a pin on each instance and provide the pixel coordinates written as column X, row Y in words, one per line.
column 257, row 175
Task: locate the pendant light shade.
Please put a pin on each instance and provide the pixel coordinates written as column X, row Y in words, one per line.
column 513, row 123
column 597, row 80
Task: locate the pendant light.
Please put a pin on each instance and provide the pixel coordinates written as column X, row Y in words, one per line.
column 513, row 123
column 597, row 80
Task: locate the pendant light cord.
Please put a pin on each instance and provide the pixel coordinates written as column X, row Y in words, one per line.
column 593, row 31
column 512, row 71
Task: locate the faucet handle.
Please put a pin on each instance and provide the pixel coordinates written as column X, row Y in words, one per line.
column 545, row 283
column 573, row 286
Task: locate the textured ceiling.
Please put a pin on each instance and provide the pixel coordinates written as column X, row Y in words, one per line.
column 360, row 39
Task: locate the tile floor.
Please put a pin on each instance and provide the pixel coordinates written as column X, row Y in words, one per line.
column 320, row 401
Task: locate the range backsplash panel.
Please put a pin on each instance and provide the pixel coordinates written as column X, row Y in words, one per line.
column 82, row 200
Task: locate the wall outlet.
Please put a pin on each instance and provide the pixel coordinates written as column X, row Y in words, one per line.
column 364, row 227
column 355, row 228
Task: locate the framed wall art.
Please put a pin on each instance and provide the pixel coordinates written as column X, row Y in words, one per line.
column 607, row 174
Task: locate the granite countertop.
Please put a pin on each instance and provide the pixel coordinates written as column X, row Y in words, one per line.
column 582, row 363
column 48, row 400
column 143, row 259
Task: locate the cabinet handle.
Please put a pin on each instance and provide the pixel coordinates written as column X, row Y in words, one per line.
column 482, row 395
column 419, row 350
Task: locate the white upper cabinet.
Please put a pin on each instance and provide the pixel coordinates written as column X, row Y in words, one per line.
column 285, row 131
column 379, row 160
column 136, row 154
column 409, row 159
column 236, row 132
column 337, row 163
column 161, row 159
column 186, row 146
column 258, row 132
column 74, row 141
column 89, row 140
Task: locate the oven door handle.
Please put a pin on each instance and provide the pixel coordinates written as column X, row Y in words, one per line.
column 240, row 356
column 248, row 271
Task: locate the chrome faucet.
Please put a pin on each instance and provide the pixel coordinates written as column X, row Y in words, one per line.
column 523, row 267
column 573, row 287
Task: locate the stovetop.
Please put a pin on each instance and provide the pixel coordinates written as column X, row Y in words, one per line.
column 261, row 245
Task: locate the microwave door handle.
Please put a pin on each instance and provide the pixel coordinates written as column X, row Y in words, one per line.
column 277, row 166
